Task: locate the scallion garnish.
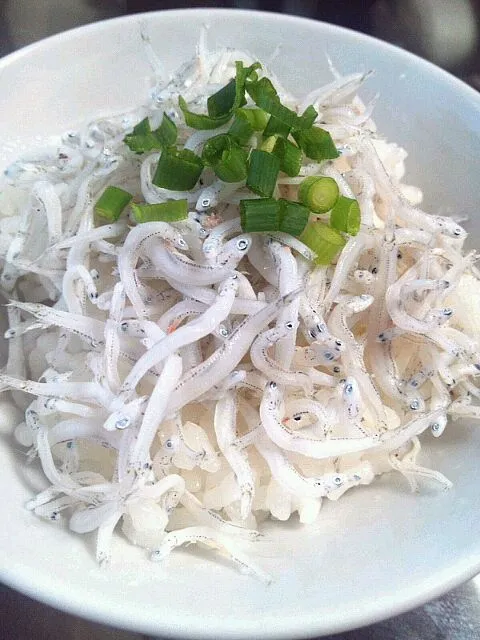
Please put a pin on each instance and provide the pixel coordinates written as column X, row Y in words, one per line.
column 222, row 105
column 112, row 202
column 318, row 193
column 268, row 144
column 178, row 170
column 316, row 143
column 226, row 157
column 264, row 94
column 142, row 128
column 241, row 129
column 290, row 156
column 170, row 211
column 293, row 217
column 221, row 102
column 260, row 214
column 345, row 215
column 258, row 118
column 200, row 120
column 143, row 139
column 263, row 172
column 323, row 240
column 276, row 127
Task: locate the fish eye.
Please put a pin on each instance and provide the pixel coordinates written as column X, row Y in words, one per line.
column 289, row 325
column 272, row 385
column 297, row 418
column 447, row 312
column 457, row 231
column 242, row 244
column 312, row 334
column 414, row 405
column 348, row 388
column 336, row 369
column 435, row 427
column 339, row 343
column 337, row 480
column 122, row 423
column 223, row 331
column 328, row 356
column 182, row 242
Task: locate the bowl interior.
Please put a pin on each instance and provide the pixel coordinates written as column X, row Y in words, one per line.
column 378, row 551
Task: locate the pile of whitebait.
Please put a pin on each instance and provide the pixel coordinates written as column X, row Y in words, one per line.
column 186, row 381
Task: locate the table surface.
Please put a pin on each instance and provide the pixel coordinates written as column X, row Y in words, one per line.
column 456, row 616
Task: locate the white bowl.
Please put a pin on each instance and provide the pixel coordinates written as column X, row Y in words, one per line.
column 380, row 550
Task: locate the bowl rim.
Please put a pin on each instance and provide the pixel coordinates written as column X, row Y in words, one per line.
column 443, row 581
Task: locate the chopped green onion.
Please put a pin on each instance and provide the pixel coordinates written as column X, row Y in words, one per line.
column 258, row 118
column 308, row 117
column 199, row 120
column 166, row 132
column 178, row 170
column 290, row 156
column 293, row 217
column 143, row 139
column 142, row 128
column 170, row 211
column 262, row 214
column 345, row 215
column 324, row 241
column 269, row 144
column 264, row 94
column 318, row 193
column 263, row 172
column 222, row 104
column 112, row 202
column 241, row 129
column 276, row 127
column 226, row 157
column 316, row 143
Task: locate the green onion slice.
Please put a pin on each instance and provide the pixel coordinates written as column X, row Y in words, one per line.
column 178, row 170
column 263, row 172
column 258, row 118
column 166, row 133
column 112, row 202
column 262, row 214
column 290, row 156
column 241, row 129
column 142, row 128
column 345, row 215
column 143, row 139
column 170, row 211
column 293, row 217
column 200, row 121
column 316, row 143
column 276, row 127
column 265, row 96
column 318, row 193
column 324, row 241
column 226, row 157
column 268, row 144
column 222, row 105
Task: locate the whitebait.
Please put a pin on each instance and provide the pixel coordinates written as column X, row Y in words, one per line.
column 191, row 377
